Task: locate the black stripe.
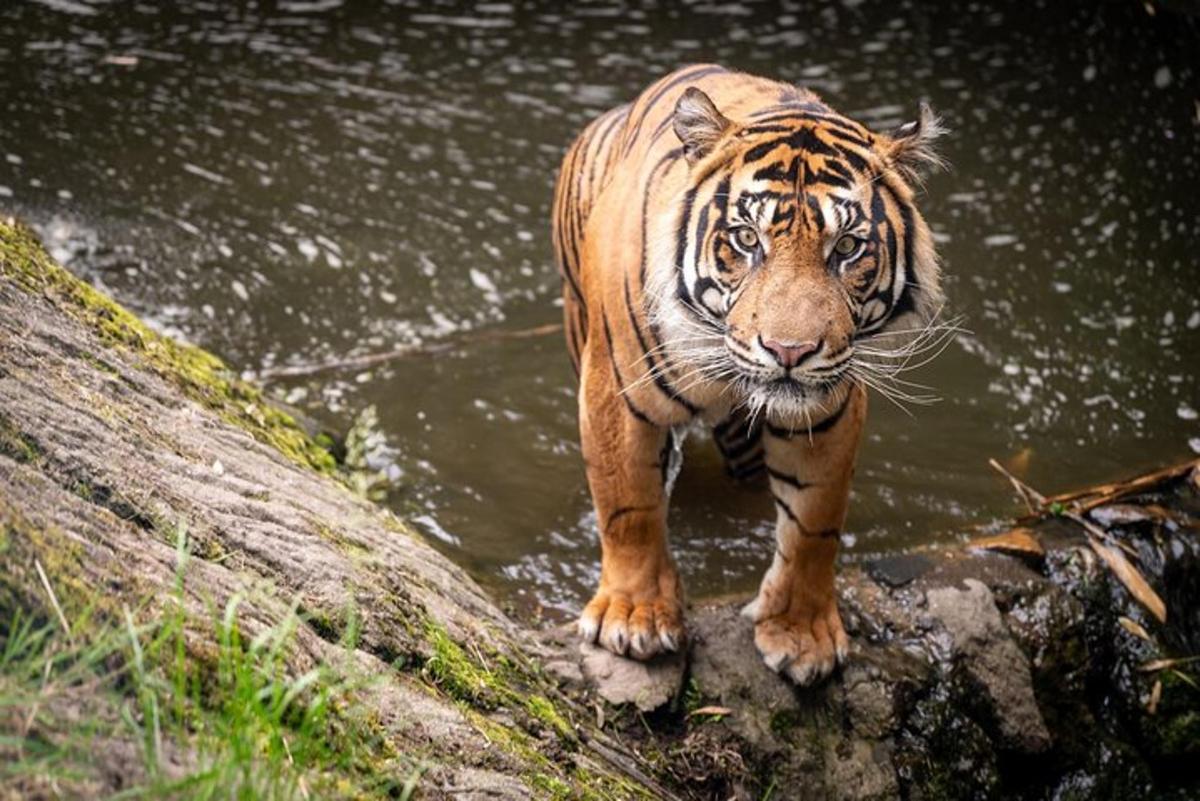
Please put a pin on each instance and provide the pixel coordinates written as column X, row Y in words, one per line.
column 689, row 74
column 627, row 510
column 793, row 107
column 857, row 162
column 668, row 157
column 660, row 380
column 787, row 510
column 612, row 358
column 573, row 344
column 801, row 139
column 739, row 448
column 828, row 177
column 831, row 124
column 844, row 135
column 776, row 172
column 823, row 534
column 682, row 291
column 749, row 471
column 840, row 169
column 664, row 457
column 905, row 302
column 756, row 130
column 784, row 214
column 880, row 218
column 787, row 479
column 818, row 216
column 602, row 140
column 662, row 128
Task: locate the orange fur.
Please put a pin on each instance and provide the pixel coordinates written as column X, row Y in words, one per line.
column 697, row 231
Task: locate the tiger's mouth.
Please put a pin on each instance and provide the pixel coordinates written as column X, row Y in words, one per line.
column 793, row 400
column 794, row 383
column 789, row 385
column 802, row 388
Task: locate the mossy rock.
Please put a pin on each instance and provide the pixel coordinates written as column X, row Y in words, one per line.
column 199, row 374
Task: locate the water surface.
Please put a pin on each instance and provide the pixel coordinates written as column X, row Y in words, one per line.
column 289, row 183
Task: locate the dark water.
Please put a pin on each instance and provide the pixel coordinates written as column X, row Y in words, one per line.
column 292, row 182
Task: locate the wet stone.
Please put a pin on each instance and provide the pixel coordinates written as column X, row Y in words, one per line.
column 990, row 656
column 896, row 571
column 620, row 680
column 569, row 674
column 869, row 702
column 1120, row 514
column 857, row 770
column 728, row 670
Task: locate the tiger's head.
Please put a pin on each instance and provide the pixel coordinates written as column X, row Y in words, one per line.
column 797, row 243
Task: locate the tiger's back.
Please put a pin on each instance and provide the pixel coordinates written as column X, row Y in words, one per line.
column 586, row 169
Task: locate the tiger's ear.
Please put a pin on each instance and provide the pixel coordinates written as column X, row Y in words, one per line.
column 698, row 124
column 909, row 148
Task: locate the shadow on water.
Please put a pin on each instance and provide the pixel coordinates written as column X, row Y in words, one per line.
column 292, row 182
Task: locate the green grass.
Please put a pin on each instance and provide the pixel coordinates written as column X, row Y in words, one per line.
column 237, row 725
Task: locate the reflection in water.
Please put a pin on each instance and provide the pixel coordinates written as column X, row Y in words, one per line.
column 301, row 181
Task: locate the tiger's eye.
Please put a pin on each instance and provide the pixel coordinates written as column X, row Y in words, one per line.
column 845, row 246
column 747, row 238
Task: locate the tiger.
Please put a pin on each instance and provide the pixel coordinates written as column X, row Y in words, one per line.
column 726, row 244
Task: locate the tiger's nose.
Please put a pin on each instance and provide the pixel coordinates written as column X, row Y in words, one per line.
column 790, row 354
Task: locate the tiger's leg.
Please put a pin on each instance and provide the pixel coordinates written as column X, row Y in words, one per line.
column 638, row 608
column 797, row 628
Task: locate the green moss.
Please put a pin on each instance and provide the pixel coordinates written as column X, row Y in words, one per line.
column 496, row 682
column 693, row 697
column 784, row 723
column 552, row 786
column 489, row 682
column 595, row 787
column 547, row 778
column 455, row 672
column 17, row 445
column 1174, row 730
column 26, row 545
column 541, row 708
column 344, row 543
column 100, row 364
column 200, row 375
column 1182, row 733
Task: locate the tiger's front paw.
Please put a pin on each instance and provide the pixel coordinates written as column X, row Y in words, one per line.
column 636, row 624
column 804, row 644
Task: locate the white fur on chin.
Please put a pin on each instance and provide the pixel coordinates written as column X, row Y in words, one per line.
column 791, row 409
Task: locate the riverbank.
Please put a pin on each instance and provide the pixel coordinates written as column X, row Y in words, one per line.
column 186, row 580
column 157, row 510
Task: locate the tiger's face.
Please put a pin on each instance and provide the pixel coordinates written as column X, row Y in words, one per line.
column 797, row 243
